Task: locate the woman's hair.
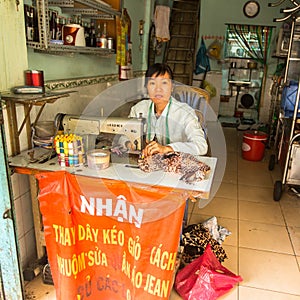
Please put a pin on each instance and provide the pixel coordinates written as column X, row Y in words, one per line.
column 158, row 69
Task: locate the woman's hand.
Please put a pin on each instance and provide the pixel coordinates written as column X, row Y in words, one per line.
column 154, row 148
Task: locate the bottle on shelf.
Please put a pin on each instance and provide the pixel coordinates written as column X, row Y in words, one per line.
column 87, row 33
column 92, row 35
column 59, row 25
column 29, row 22
column 53, row 17
column 98, row 38
column 103, row 39
column 79, row 20
column 36, row 37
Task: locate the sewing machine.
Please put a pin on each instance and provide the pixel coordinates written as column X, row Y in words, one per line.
column 92, row 127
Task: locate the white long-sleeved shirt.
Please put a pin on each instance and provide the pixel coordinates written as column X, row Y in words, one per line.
column 185, row 132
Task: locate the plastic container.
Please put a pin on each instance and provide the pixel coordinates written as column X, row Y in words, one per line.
column 98, row 159
column 253, row 147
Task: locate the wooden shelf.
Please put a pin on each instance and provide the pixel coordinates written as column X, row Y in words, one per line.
column 28, row 101
column 99, row 12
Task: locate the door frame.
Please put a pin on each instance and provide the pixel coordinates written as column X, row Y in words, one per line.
column 11, row 287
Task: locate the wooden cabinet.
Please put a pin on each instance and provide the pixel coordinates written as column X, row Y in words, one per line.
column 82, row 12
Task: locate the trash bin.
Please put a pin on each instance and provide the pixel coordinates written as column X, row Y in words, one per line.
column 253, row 147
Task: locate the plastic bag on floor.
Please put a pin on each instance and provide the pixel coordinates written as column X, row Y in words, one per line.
column 205, row 278
column 217, row 232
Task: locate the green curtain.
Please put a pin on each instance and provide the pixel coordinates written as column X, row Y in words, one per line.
column 254, row 39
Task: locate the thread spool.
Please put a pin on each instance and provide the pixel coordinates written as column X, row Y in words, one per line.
column 34, row 78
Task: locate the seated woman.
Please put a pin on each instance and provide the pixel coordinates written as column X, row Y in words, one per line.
column 171, row 125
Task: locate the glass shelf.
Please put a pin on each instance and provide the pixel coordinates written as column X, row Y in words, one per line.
column 44, row 45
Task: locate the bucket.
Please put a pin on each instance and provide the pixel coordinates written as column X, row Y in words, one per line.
column 253, row 147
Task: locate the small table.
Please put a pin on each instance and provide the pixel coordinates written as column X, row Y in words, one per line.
column 117, row 171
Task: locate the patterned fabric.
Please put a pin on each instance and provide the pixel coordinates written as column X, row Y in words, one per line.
column 191, row 169
column 195, row 239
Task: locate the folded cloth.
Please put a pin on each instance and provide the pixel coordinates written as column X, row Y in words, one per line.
column 161, row 22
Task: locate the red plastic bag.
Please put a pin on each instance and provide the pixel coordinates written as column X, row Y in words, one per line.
column 205, row 278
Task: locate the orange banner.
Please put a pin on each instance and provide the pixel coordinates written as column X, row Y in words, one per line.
column 109, row 239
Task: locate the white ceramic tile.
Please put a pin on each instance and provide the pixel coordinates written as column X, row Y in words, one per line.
column 248, row 293
column 232, row 226
column 256, row 194
column 260, row 212
column 197, row 218
column 30, row 245
column 231, row 263
column 15, row 185
column 295, row 237
column 24, row 184
column 215, row 189
column 231, row 147
column 230, row 176
column 22, row 251
column 292, row 215
column 19, row 217
column 270, row 271
column 219, row 207
column 254, row 178
column 289, row 199
column 227, row 190
column 245, row 165
column 27, row 211
column 262, row 236
column 231, row 162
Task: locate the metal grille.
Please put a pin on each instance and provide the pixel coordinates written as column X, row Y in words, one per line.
column 61, row 3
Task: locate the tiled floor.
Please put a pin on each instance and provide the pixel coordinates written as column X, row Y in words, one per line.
column 264, row 247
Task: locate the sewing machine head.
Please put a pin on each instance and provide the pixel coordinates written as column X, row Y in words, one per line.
column 93, row 128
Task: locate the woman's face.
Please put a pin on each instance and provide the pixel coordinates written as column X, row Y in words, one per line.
column 159, row 88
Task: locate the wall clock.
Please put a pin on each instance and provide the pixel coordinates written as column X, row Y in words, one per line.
column 251, row 9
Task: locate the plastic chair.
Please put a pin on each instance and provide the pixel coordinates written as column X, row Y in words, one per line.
column 196, row 98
